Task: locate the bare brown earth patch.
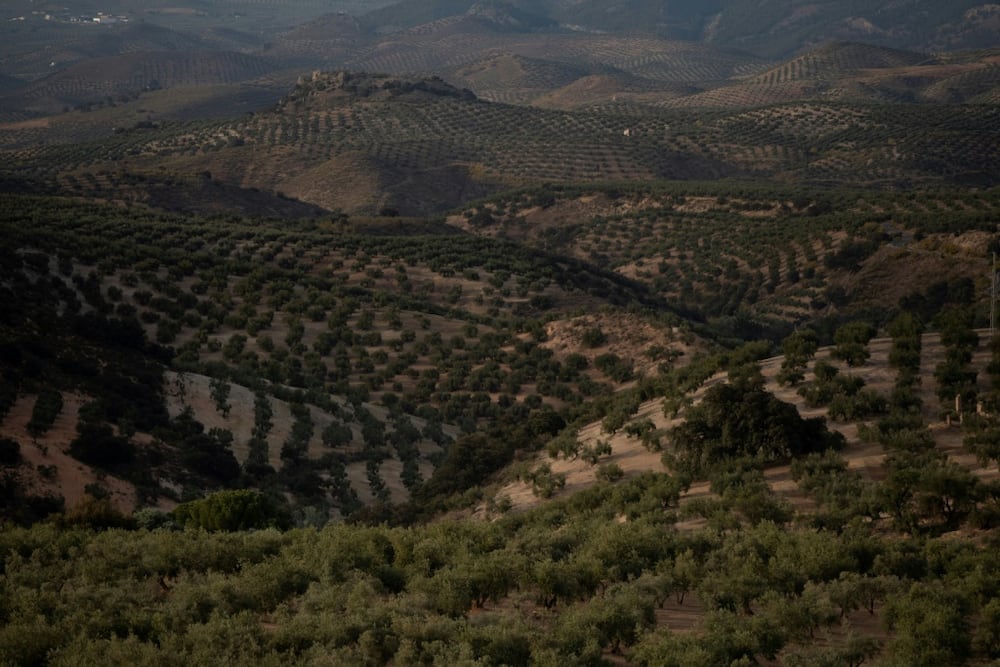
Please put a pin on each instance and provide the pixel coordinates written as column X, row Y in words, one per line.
column 189, row 390
column 628, row 336
column 49, row 468
column 31, row 124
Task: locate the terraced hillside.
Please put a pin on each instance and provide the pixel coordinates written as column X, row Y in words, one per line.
column 122, row 77
column 638, row 446
column 755, row 261
column 833, row 557
column 309, row 357
column 333, row 348
column 365, row 143
column 413, row 146
column 320, row 455
column 858, row 73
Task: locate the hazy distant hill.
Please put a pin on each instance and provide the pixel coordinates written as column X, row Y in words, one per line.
column 128, row 74
column 58, row 46
column 363, row 143
column 722, row 53
column 790, row 26
column 766, row 28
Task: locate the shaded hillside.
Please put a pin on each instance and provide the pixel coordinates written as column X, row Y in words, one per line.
column 318, row 41
column 315, row 359
column 9, row 83
column 50, row 45
column 198, row 194
column 881, row 547
column 755, row 262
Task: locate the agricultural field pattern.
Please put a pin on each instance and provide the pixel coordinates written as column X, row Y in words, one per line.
column 510, row 332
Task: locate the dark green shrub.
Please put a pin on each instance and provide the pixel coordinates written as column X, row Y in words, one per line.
column 241, row 509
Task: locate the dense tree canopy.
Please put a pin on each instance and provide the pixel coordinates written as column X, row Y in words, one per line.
column 740, row 419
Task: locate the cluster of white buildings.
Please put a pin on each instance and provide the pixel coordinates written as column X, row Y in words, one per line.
column 109, row 19
column 101, row 18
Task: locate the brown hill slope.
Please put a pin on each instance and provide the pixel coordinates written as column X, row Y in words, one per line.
column 124, row 76
column 858, row 73
column 634, row 458
column 421, row 145
column 771, row 258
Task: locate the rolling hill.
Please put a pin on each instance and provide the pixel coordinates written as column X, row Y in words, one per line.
column 306, row 345
column 363, row 143
column 338, row 365
column 768, row 29
column 444, row 332
column 655, row 46
column 122, row 77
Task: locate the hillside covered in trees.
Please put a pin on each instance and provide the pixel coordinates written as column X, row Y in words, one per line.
column 606, row 484
column 499, row 333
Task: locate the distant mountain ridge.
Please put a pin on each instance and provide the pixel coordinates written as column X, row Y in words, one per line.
column 771, row 29
column 516, row 51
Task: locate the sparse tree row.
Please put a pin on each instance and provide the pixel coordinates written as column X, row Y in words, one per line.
column 982, row 430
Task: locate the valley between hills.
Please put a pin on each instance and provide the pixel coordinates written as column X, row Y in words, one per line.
column 499, row 333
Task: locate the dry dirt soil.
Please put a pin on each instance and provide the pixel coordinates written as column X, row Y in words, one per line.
column 634, row 458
